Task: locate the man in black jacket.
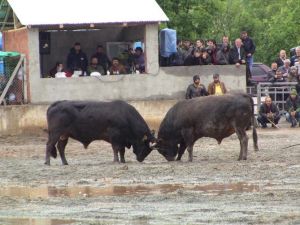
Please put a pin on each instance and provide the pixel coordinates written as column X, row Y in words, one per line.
column 237, row 53
column 77, row 60
column 268, row 113
column 249, row 47
column 196, row 89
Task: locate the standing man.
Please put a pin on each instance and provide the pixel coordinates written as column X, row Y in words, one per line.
column 249, row 47
column 237, row 53
column 268, row 113
column 216, row 87
column 293, row 108
column 296, row 58
column 196, row 89
column 77, row 60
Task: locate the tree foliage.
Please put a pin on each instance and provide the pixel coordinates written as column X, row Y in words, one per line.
column 272, row 24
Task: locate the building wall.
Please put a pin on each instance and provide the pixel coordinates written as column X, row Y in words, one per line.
column 17, row 41
column 168, row 83
column 32, row 118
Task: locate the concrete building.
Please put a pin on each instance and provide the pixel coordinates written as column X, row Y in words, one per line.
column 50, row 28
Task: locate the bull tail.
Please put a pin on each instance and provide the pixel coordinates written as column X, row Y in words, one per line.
column 254, row 125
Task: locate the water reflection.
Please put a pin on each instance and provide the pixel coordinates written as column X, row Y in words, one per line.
column 87, row 191
column 30, row 221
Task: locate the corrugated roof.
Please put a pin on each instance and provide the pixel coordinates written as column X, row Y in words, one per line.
column 50, row 12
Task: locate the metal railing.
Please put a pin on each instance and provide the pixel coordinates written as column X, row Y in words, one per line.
column 13, row 91
column 278, row 91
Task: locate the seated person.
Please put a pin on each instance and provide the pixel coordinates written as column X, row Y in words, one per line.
column 116, row 67
column 58, row 68
column 102, row 58
column 77, row 60
column 293, row 108
column 293, row 74
column 139, row 60
column 196, row 89
column 272, row 72
column 95, row 67
column 216, row 87
column 268, row 113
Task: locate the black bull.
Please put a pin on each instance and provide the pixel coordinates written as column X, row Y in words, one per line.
column 213, row 116
column 115, row 122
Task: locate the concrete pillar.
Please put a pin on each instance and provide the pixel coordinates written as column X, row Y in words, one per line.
column 151, row 48
column 34, row 63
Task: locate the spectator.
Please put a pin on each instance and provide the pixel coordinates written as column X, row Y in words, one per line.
column 225, row 41
column 200, row 44
column 187, row 49
column 139, row 60
column 216, row 87
column 293, row 108
column 205, row 57
column 249, row 47
column 281, row 58
column 237, row 53
column 58, row 68
column 272, row 72
column 268, row 113
column 194, row 59
column 102, row 58
column 285, row 68
column 296, row 58
column 223, row 55
column 212, row 50
column 116, row 67
column 278, row 77
column 178, row 57
column 94, row 68
column 293, row 74
column 196, row 89
column 77, row 60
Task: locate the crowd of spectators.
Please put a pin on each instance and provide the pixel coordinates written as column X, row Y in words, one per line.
column 130, row 61
column 210, row 52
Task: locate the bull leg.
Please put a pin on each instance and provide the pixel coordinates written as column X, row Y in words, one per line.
column 61, row 148
column 122, row 154
column 50, row 147
column 181, row 150
column 190, row 150
column 243, row 138
column 116, row 156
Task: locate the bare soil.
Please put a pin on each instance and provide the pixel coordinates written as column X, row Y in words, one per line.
column 214, row 189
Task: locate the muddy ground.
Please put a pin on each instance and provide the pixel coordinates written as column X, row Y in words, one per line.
column 214, row 189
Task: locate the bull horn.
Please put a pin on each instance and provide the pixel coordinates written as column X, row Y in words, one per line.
column 153, row 145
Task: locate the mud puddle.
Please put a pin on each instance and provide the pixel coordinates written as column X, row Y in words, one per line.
column 34, row 221
column 87, row 191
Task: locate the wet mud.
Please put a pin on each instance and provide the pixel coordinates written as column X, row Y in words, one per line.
column 214, row 189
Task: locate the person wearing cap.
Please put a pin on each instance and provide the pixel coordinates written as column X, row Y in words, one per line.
column 293, row 108
column 77, row 60
column 268, row 113
column 196, row 89
column 216, row 87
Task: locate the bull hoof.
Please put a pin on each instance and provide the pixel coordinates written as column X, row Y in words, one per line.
column 47, row 163
column 123, row 161
column 65, row 164
column 256, row 149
